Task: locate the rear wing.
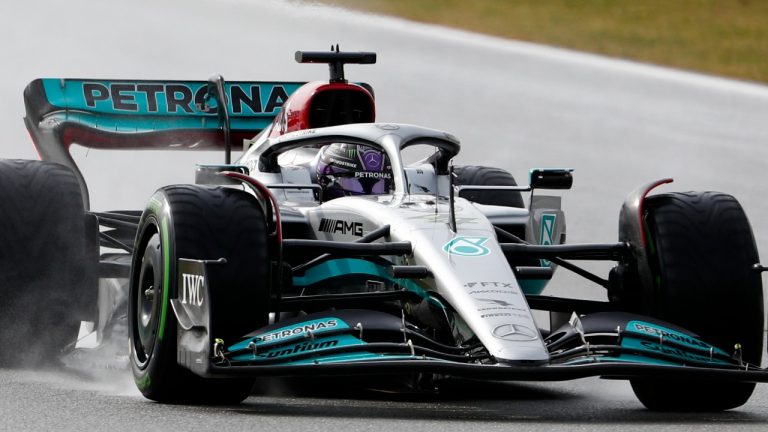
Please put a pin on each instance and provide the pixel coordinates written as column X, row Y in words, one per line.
column 146, row 114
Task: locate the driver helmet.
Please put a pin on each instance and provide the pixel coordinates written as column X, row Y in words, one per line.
column 353, row 169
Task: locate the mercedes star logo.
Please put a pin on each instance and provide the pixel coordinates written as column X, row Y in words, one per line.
column 388, row 126
column 515, row 332
column 372, row 159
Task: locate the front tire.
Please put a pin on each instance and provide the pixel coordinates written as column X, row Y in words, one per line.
column 701, row 251
column 204, row 223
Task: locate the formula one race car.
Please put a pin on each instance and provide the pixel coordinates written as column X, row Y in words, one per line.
column 336, row 245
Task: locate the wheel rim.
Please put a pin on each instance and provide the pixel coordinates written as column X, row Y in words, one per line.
column 148, row 302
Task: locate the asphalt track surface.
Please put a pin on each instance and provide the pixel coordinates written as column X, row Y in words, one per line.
column 513, row 105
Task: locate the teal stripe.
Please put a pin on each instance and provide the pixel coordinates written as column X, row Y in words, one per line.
column 532, row 286
column 108, row 123
column 352, row 266
column 356, row 357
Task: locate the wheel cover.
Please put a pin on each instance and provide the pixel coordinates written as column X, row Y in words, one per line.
column 148, row 302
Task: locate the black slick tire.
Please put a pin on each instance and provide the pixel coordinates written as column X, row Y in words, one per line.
column 488, row 176
column 46, row 279
column 204, row 223
column 701, row 251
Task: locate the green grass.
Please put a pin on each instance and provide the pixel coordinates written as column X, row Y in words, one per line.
column 721, row 37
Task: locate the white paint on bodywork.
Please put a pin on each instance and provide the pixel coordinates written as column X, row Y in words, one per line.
column 483, row 289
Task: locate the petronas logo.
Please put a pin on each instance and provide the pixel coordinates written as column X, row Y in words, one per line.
column 467, row 246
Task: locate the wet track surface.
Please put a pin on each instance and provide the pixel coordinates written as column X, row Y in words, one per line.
column 42, row 400
column 513, row 105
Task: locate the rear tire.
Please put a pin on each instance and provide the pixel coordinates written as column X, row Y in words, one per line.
column 46, row 278
column 488, row 176
column 205, row 223
column 701, row 251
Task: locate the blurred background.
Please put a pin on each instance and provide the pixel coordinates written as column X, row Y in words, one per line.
column 720, row 37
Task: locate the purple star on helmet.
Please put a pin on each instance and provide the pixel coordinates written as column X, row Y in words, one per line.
column 372, row 159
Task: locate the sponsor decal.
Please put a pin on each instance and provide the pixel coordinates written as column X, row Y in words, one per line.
column 192, row 289
column 298, row 348
column 318, row 349
column 375, row 175
column 667, row 334
column 547, row 233
column 335, row 161
column 298, row 134
column 515, row 332
column 498, row 302
column 486, row 309
column 495, row 304
column 175, row 98
column 489, row 284
column 297, row 330
column 474, row 292
column 493, row 315
column 341, row 226
column 467, row 246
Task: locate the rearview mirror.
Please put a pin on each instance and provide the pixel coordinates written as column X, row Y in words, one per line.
column 551, row 178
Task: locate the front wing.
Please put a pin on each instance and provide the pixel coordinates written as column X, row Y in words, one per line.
column 367, row 342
